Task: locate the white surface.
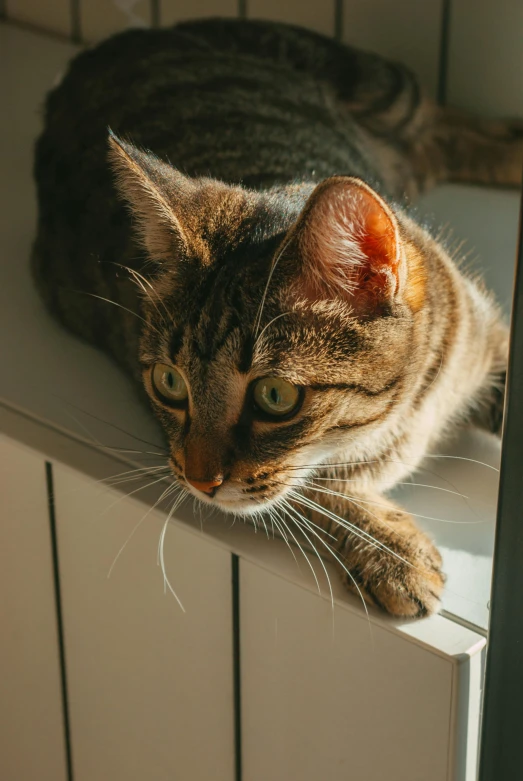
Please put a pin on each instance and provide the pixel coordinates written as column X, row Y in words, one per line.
column 31, row 721
column 436, row 634
column 150, row 687
column 346, row 699
column 51, row 374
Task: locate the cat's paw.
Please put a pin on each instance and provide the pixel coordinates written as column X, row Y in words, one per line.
column 405, row 581
column 413, row 589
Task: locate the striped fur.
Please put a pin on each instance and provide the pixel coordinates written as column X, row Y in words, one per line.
column 268, row 238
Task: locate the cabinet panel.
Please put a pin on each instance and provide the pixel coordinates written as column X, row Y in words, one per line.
column 31, row 723
column 317, row 15
column 150, row 687
column 408, row 31
column 485, row 66
column 326, row 695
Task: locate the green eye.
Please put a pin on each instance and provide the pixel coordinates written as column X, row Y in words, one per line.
column 169, row 382
column 276, row 397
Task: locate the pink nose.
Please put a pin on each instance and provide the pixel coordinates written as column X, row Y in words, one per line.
column 205, row 486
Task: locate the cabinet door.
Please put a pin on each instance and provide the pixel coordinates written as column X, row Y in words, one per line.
column 150, row 686
column 325, row 695
column 31, row 722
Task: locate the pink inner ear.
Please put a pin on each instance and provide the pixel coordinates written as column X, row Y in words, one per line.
column 349, row 245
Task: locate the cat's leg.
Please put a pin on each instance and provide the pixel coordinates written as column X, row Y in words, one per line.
column 380, row 552
column 487, row 412
column 432, row 144
column 454, row 146
column 489, row 415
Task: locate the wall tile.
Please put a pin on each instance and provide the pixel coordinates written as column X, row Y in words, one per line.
column 54, row 16
column 172, row 11
column 485, row 66
column 316, row 14
column 100, row 18
column 404, row 30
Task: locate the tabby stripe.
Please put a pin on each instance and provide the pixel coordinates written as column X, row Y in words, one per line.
column 354, row 387
column 347, row 426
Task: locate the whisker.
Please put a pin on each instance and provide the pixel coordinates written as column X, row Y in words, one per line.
column 269, row 278
column 303, row 553
column 391, row 461
column 290, row 508
column 413, row 468
column 138, row 469
column 142, row 281
column 117, row 428
column 284, row 536
column 115, row 303
column 355, row 499
column 398, row 482
column 283, row 314
column 262, row 519
column 333, row 553
column 363, row 535
column 462, row 458
column 166, row 581
column 164, row 495
column 131, row 493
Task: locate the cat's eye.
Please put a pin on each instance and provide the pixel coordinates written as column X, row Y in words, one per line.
column 276, row 397
column 169, row 383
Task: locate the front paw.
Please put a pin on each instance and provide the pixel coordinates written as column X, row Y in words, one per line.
column 411, row 591
column 406, row 582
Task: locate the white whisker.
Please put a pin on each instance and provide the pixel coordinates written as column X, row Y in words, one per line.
column 356, row 499
column 164, row 495
column 269, row 278
column 335, row 555
column 292, row 509
column 166, row 581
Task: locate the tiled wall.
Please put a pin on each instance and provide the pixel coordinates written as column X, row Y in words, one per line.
column 468, row 52
column 410, row 30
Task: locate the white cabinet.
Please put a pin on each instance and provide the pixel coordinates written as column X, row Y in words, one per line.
column 157, row 692
column 150, row 686
column 328, row 693
column 32, row 744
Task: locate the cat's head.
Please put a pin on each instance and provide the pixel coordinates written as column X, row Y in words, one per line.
column 279, row 325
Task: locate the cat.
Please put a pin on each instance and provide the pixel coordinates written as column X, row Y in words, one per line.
column 301, row 339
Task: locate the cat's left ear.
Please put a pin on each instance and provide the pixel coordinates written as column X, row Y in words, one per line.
column 151, row 188
column 348, row 246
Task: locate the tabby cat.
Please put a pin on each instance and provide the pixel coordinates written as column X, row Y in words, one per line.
column 302, row 340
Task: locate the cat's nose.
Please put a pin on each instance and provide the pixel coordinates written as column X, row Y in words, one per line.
column 208, row 487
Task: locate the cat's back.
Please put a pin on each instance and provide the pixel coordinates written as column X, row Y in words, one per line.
column 229, row 99
column 216, row 98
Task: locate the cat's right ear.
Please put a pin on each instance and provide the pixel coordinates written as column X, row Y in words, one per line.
column 150, row 187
